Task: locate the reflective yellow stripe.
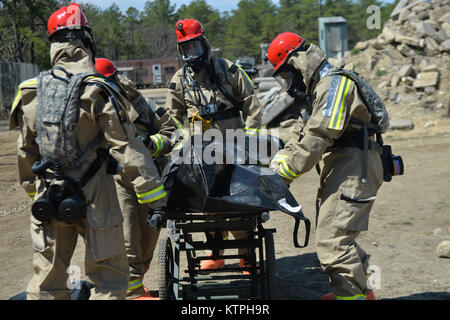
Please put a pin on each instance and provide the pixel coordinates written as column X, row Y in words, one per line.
column 152, row 195
column 159, row 142
column 251, row 131
column 339, row 103
column 135, row 284
column 98, row 78
column 179, row 126
column 355, row 297
column 31, row 194
column 248, row 78
column 19, row 92
column 285, row 171
column 280, row 157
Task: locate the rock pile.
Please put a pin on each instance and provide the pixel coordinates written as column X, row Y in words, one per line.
column 408, row 63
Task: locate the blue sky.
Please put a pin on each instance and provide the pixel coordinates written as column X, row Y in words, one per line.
column 226, row 5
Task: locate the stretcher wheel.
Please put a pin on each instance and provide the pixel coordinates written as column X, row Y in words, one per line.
column 271, row 270
column 165, row 269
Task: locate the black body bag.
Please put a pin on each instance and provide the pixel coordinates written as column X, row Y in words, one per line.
column 235, row 182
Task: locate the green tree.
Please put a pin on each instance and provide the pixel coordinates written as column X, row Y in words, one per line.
column 253, row 23
column 209, row 17
column 23, row 30
column 157, row 37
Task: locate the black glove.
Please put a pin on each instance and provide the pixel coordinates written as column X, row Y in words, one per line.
column 147, row 141
column 156, row 217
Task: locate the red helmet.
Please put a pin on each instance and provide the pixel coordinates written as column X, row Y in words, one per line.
column 281, row 47
column 105, row 67
column 67, row 17
column 188, row 29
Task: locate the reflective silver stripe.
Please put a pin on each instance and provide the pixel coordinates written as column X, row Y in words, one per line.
column 152, row 196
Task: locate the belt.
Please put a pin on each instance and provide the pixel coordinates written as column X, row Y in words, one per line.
column 355, row 140
column 223, row 115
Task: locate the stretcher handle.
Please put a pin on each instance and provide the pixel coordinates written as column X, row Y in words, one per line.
column 298, row 218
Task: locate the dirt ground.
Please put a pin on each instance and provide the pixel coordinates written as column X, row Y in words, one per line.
column 400, row 239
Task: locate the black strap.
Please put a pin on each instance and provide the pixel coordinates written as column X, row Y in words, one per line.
column 68, row 74
column 224, row 115
column 298, row 219
column 213, row 74
column 102, row 153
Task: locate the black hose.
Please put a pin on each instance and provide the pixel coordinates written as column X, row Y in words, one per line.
column 39, row 167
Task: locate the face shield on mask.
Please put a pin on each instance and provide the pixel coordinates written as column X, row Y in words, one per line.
column 291, row 80
column 285, row 79
column 192, row 50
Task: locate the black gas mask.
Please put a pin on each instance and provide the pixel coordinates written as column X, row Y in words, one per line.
column 291, row 80
column 194, row 54
column 63, row 199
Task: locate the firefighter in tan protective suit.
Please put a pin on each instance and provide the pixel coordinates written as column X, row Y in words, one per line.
column 99, row 116
column 159, row 134
column 211, row 93
column 333, row 134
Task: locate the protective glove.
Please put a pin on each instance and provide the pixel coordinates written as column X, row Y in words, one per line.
column 157, row 217
column 156, row 144
column 275, row 166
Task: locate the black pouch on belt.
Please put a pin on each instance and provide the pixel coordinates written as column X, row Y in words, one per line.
column 392, row 164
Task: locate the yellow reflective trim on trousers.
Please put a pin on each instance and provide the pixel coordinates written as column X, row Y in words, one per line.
column 355, row 297
column 152, row 195
column 135, row 284
column 31, row 194
column 284, row 168
column 338, row 107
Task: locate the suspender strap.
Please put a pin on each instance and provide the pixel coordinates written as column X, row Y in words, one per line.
column 102, row 153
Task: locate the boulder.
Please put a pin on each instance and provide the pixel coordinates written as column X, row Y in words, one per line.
column 431, row 45
column 445, row 46
column 446, row 28
column 405, row 50
column 405, row 71
column 445, row 18
column 395, row 81
column 425, row 30
column 406, row 40
column 426, row 79
column 429, row 67
column 388, row 35
column 408, row 80
column 440, row 36
column 401, row 125
column 443, row 249
column 362, row 45
column 404, row 15
column 422, row 6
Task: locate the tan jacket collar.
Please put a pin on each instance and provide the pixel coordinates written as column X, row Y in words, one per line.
column 308, row 62
column 72, row 56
